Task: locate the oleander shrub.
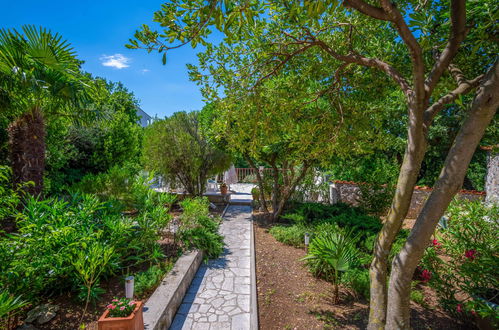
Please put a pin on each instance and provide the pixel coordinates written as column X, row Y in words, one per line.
column 198, row 229
column 44, row 257
column 462, row 264
column 125, row 188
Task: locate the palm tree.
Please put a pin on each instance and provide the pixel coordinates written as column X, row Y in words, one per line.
column 39, row 77
column 331, row 253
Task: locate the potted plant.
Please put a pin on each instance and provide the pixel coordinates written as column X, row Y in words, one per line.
column 223, row 188
column 123, row 314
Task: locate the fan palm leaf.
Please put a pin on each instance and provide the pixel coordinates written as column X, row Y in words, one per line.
column 40, row 76
column 331, row 253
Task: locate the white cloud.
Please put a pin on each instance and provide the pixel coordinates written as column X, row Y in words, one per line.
column 117, row 61
column 144, row 71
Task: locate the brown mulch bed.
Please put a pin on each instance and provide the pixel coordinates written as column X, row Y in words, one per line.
column 289, row 297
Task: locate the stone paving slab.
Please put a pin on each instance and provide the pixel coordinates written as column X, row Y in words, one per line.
column 220, row 293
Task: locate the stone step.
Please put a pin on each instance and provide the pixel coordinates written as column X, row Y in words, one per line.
column 236, row 201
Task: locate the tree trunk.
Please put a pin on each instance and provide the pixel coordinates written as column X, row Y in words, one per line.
column 409, row 171
column 27, row 150
column 289, row 190
column 276, row 191
column 260, row 184
column 451, row 178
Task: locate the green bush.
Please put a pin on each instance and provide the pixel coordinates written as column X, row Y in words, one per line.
column 148, row 280
column 312, row 189
column 199, row 230
column 290, row 235
column 417, row 296
column 51, row 251
column 357, row 280
column 114, row 185
column 176, row 147
column 375, row 198
column 125, row 188
column 462, row 263
column 312, row 214
column 250, row 178
column 9, row 198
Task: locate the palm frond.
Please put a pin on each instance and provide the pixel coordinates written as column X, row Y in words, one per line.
column 43, row 69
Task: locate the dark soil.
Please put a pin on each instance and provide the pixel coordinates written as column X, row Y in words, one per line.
column 289, row 297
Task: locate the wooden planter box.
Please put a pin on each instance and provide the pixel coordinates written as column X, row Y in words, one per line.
column 133, row 322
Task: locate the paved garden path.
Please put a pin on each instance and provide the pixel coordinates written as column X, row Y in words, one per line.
column 220, row 295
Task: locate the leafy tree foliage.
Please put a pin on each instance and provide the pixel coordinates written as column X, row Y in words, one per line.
column 115, row 138
column 177, row 148
column 426, row 51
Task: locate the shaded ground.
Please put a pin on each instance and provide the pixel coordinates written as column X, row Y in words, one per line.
column 290, row 298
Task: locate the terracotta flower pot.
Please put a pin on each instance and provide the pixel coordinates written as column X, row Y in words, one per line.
column 223, row 190
column 133, row 322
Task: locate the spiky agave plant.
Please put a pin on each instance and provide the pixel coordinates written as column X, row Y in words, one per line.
column 330, row 254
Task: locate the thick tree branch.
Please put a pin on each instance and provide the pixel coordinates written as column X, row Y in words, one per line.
column 457, row 34
column 464, row 88
column 367, row 9
column 457, row 74
column 260, row 183
column 369, row 62
column 412, row 44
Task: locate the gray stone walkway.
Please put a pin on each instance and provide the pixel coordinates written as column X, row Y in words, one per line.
column 220, row 294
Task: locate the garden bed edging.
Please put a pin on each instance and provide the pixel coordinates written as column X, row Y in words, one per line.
column 162, row 306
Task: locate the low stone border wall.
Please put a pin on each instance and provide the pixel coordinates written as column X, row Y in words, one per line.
column 254, row 298
column 348, row 192
column 162, row 306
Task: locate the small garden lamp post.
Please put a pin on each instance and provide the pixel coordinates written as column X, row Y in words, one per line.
column 307, row 241
column 129, row 283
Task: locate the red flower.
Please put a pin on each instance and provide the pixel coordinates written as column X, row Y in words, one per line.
column 459, row 308
column 436, row 243
column 470, row 254
column 425, row 275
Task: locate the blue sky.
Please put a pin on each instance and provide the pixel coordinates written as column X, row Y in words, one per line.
column 98, row 30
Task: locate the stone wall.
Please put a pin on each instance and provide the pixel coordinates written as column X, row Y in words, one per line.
column 492, row 180
column 349, row 192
